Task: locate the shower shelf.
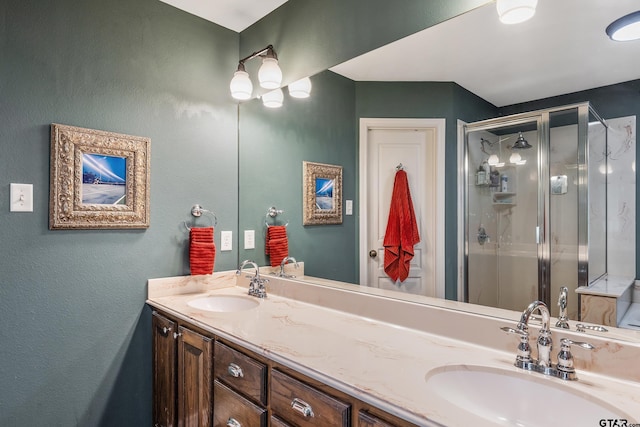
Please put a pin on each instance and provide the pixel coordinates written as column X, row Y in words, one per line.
column 504, row 198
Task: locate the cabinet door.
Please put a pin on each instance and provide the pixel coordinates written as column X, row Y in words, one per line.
column 194, row 379
column 164, row 368
column 232, row 410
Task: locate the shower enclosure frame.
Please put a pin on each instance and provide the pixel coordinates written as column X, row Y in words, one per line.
column 543, row 230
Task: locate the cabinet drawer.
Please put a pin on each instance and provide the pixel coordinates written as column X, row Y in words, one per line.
column 232, row 410
column 302, row 405
column 240, row 372
column 365, row 419
column 277, row 422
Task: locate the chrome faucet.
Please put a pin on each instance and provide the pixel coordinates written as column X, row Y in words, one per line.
column 283, row 263
column 563, row 319
column 256, row 285
column 564, row 368
column 545, row 343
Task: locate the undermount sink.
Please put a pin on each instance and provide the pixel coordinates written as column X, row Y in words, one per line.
column 223, row 303
column 517, row 399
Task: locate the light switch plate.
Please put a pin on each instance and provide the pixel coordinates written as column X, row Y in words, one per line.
column 348, row 207
column 21, row 198
column 249, row 239
column 226, row 240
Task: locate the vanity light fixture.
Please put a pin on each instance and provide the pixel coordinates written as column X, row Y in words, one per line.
column 493, row 160
column 515, row 11
column 273, row 99
column 517, row 159
column 300, row 88
column 626, row 28
column 269, row 74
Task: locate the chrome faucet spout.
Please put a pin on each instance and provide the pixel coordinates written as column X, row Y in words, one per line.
column 284, row 262
column 563, row 319
column 544, row 343
column 252, row 264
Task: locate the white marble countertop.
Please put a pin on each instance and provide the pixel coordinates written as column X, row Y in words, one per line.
column 379, row 362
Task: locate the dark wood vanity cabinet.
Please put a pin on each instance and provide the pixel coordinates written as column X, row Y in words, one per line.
column 201, row 380
column 182, row 375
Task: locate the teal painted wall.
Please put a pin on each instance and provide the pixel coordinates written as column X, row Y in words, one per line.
column 273, row 145
column 75, row 336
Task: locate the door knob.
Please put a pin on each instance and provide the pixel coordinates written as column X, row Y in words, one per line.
column 373, row 253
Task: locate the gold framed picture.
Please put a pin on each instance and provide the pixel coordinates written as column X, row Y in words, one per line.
column 322, row 198
column 98, row 179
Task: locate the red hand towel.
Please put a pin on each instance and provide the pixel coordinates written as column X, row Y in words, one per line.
column 277, row 245
column 402, row 230
column 202, row 250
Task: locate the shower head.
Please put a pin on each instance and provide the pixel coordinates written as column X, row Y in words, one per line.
column 521, row 143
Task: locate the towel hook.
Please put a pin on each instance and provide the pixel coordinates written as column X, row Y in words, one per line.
column 274, row 212
column 197, row 211
column 400, row 167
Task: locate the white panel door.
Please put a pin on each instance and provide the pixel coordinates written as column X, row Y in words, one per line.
column 417, row 150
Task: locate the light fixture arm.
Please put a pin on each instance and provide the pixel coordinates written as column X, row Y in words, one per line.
column 266, row 52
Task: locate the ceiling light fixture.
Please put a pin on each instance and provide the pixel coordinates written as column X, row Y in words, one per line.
column 625, row 28
column 300, row 88
column 269, row 74
column 515, row 11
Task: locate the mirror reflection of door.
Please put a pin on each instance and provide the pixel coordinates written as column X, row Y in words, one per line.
column 103, row 179
column 416, row 147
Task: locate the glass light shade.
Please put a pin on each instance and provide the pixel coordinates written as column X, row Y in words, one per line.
column 269, row 74
column 626, row 28
column 516, row 159
column 241, row 86
column 493, row 160
column 300, row 88
column 273, row 99
column 515, row 11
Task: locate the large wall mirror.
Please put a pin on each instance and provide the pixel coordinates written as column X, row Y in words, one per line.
column 473, row 76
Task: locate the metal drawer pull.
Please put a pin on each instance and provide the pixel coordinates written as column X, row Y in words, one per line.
column 235, row 370
column 165, row 330
column 232, row 422
column 303, row 407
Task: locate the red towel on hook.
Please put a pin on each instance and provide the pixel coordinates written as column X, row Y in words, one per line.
column 277, row 245
column 402, row 230
column 202, row 250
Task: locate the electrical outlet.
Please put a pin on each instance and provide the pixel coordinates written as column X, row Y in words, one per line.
column 226, row 240
column 348, row 208
column 249, row 239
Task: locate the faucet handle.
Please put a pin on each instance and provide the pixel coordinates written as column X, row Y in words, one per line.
column 565, row 368
column 523, row 353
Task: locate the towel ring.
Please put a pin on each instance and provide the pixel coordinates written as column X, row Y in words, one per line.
column 273, row 212
column 197, row 211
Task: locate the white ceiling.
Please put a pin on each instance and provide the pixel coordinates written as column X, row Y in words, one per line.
column 235, row 15
column 562, row 49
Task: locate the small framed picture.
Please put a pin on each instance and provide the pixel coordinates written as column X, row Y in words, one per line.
column 322, row 198
column 98, row 179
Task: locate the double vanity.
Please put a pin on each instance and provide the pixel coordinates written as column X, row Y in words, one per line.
column 338, row 354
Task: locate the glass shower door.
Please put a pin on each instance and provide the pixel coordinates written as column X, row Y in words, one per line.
column 503, row 214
